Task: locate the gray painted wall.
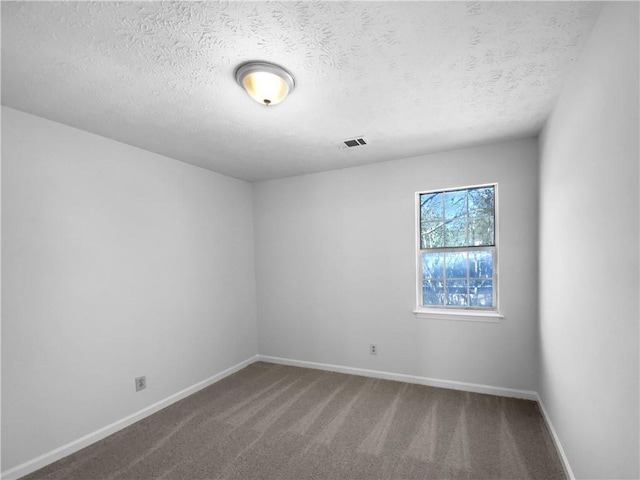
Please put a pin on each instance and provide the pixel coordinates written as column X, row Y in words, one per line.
column 589, row 254
column 335, row 263
column 117, row 263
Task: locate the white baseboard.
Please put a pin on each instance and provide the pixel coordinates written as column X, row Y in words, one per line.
column 400, row 377
column 72, row 447
column 434, row 382
column 556, row 441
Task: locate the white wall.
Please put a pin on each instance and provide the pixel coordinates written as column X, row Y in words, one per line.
column 335, row 264
column 116, row 263
column 589, row 254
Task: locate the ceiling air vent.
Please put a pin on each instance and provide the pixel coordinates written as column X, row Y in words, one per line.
column 353, row 142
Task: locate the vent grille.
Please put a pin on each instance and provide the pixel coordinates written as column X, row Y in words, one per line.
column 353, row 142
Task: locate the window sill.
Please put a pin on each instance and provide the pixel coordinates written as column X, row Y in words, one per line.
column 463, row 315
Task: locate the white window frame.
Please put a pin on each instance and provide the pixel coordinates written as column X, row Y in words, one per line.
column 491, row 315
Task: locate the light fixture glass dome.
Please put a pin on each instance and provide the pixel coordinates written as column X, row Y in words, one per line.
column 266, row 83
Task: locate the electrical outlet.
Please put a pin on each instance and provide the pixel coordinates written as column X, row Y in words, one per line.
column 373, row 349
column 141, row 383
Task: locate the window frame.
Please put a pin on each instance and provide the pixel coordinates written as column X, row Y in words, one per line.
column 466, row 313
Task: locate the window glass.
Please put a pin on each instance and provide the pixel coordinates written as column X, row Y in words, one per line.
column 457, row 248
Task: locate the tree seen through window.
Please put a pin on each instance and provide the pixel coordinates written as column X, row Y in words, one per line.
column 458, row 248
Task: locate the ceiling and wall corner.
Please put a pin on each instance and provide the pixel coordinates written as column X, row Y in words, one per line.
column 413, row 77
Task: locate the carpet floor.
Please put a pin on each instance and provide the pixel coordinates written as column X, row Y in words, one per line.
column 272, row 421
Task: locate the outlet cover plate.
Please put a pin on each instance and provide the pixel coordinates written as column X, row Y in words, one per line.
column 141, row 383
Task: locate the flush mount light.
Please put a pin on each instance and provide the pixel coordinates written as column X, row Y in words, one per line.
column 267, row 83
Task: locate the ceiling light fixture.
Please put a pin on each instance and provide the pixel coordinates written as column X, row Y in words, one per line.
column 267, row 83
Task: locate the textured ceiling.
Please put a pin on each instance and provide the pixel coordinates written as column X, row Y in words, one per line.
column 412, row 77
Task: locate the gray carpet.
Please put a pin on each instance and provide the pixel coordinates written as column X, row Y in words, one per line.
column 277, row 422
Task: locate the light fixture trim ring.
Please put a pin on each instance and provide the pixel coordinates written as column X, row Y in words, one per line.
column 246, row 68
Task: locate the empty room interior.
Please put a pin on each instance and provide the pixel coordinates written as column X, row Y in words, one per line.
column 323, row 240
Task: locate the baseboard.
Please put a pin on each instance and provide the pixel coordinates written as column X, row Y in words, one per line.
column 400, row 377
column 72, row 447
column 556, row 441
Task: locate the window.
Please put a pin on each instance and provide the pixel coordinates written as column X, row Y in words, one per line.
column 457, row 252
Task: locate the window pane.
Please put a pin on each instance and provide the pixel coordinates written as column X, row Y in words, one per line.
column 481, row 264
column 431, row 235
column 481, row 202
column 481, row 231
column 433, row 292
column 481, row 293
column 457, row 292
column 455, row 204
column 456, row 265
column 431, row 206
column 432, row 265
column 458, row 253
column 456, row 233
